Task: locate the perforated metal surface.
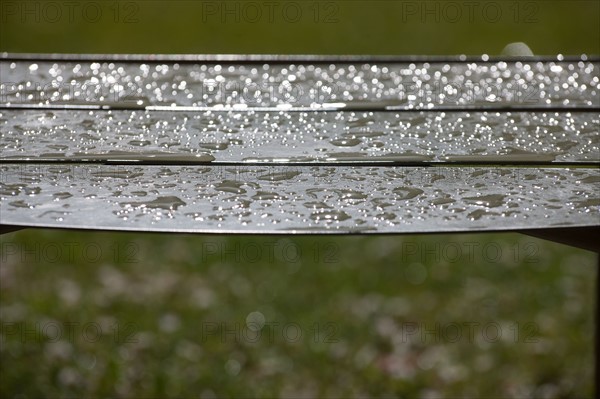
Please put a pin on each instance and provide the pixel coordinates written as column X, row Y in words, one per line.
column 93, row 146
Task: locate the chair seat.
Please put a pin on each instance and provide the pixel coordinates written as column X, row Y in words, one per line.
column 297, row 145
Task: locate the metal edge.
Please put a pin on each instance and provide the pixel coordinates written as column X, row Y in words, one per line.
column 584, row 237
column 273, row 58
column 374, row 107
column 5, row 229
column 300, row 232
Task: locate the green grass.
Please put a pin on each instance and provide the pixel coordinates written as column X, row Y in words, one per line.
column 318, row 27
column 350, row 297
column 173, row 300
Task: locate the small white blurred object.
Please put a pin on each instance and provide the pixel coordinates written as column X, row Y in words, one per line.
column 517, row 49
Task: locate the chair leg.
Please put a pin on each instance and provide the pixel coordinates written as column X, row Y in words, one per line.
column 597, row 332
column 8, row 229
column 587, row 238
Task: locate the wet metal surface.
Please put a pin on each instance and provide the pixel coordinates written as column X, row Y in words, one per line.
column 347, row 146
column 280, row 199
column 305, row 136
column 409, row 85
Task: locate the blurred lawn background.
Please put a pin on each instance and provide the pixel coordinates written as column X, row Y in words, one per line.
column 166, row 290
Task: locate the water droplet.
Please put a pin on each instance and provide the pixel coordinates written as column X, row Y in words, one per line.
column 166, row 203
column 407, row 192
column 61, row 196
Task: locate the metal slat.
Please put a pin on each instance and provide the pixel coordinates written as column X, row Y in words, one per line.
column 326, row 137
column 386, row 85
column 284, row 199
